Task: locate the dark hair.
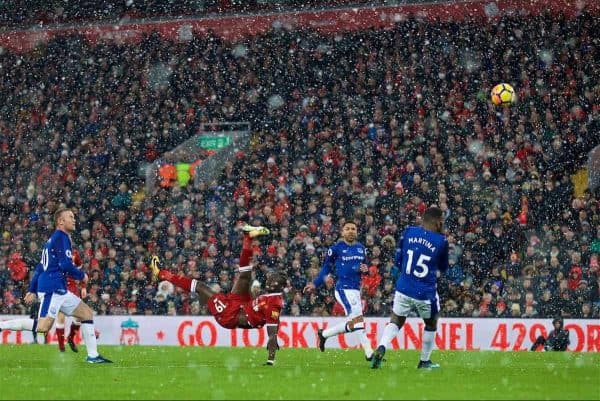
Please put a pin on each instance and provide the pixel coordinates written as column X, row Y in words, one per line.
column 280, row 278
column 432, row 214
column 59, row 213
column 349, row 221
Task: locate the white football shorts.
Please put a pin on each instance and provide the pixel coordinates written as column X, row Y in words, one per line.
column 52, row 303
column 403, row 305
column 350, row 300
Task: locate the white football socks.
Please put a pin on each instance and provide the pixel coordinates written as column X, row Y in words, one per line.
column 365, row 342
column 390, row 332
column 332, row 331
column 428, row 338
column 360, row 332
column 89, row 338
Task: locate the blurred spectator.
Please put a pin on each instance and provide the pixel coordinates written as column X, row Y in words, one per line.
column 370, row 282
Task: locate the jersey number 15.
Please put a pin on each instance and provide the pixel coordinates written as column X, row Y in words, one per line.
column 421, row 269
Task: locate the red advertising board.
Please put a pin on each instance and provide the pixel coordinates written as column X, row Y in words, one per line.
column 457, row 334
column 327, row 21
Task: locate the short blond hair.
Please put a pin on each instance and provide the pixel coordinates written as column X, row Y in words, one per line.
column 59, row 212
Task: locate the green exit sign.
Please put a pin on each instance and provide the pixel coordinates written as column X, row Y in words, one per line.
column 214, row 142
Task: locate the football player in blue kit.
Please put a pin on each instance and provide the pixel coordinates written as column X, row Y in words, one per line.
column 421, row 253
column 49, row 281
column 348, row 258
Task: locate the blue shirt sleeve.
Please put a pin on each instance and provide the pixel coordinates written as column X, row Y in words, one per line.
column 443, row 263
column 398, row 253
column 328, row 263
column 65, row 262
column 366, row 259
column 34, row 279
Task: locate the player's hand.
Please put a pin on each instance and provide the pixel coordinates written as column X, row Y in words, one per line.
column 83, row 292
column 364, row 269
column 309, row 287
column 29, row 297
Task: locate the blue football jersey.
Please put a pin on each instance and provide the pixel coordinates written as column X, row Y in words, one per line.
column 33, row 284
column 420, row 255
column 347, row 260
column 56, row 263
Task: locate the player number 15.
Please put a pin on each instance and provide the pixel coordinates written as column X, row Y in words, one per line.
column 421, row 269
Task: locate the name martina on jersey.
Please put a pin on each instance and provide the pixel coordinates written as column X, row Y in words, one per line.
column 421, row 241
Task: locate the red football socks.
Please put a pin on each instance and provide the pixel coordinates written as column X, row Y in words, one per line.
column 245, row 257
column 179, row 281
column 73, row 331
column 247, row 252
column 165, row 275
column 60, row 335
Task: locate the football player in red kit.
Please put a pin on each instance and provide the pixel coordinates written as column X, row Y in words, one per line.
column 237, row 309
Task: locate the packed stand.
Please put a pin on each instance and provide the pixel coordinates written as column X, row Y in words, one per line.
column 374, row 126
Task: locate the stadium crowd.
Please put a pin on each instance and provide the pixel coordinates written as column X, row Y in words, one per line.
column 371, row 125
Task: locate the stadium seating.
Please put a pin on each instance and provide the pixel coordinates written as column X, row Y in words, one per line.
column 375, row 125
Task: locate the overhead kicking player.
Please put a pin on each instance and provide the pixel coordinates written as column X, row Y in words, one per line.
column 349, row 257
column 237, row 309
column 422, row 252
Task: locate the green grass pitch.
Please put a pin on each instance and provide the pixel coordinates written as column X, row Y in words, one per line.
column 144, row 372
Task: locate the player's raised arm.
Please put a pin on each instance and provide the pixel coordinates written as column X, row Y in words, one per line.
column 65, row 261
column 33, row 284
column 328, row 264
column 398, row 253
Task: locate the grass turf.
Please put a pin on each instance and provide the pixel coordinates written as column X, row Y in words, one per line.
column 144, row 372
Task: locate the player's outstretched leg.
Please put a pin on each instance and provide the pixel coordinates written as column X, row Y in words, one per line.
column 241, row 284
column 188, row 284
column 377, row 357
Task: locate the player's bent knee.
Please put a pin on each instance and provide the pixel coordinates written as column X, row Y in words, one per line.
column 431, row 324
column 44, row 324
column 83, row 312
column 356, row 323
column 397, row 320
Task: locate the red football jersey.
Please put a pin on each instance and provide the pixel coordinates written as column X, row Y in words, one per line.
column 265, row 309
column 73, row 285
column 226, row 308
